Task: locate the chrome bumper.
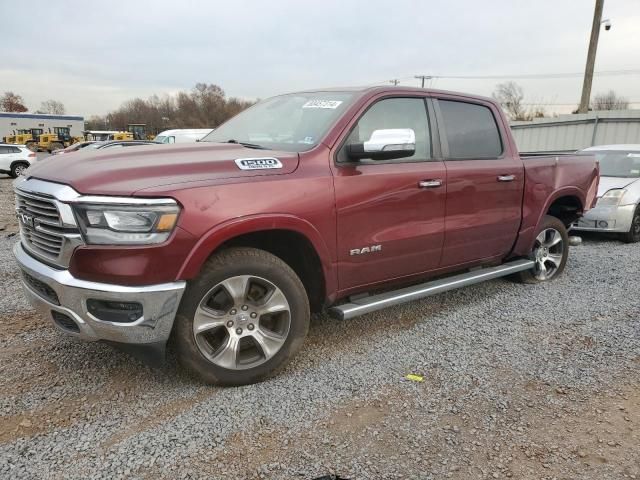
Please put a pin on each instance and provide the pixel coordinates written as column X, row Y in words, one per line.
column 159, row 303
column 606, row 219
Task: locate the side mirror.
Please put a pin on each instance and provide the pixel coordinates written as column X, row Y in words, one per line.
column 385, row 144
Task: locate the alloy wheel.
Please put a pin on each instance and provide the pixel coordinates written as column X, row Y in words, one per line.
column 242, row 322
column 548, row 253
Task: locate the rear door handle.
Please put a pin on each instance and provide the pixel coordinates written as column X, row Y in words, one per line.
column 430, row 183
column 506, row 178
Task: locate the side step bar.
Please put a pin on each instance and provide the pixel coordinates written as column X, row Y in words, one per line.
column 368, row 304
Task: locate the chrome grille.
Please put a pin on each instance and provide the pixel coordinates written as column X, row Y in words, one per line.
column 43, row 230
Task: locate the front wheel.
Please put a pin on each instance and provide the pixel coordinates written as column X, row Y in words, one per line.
column 633, row 235
column 550, row 252
column 18, row 169
column 244, row 317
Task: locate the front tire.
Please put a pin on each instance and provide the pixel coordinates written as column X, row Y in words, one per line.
column 242, row 318
column 633, row 235
column 18, row 169
column 550, row 252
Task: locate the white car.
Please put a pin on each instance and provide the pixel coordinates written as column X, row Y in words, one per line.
column 618, row 209
column 183, row 135
column 15, row 159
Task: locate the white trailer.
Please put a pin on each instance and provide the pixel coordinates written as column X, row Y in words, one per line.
column 11, row 122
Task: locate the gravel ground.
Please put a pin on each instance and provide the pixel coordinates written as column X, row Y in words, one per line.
column 519, row 381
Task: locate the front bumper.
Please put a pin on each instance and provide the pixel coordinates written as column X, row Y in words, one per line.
column 606, row 219
column 62, row 298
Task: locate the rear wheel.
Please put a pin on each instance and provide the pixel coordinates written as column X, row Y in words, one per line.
column 550, row 252
column 244, row 317
column 633, row 235
column 18, row 169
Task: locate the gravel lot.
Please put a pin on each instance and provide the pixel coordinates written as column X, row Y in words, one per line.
column 519, row 381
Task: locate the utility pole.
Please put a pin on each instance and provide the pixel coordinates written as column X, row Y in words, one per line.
column 395, row 81
column 591, row 57
column 423, row 78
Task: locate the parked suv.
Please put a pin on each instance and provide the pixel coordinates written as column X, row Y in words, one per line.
column 15, row 159
column 346, row 200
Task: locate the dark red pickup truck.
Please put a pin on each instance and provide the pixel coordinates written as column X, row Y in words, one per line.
column 349, row 200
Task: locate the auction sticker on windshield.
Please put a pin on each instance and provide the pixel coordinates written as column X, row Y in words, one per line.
column 333, row 104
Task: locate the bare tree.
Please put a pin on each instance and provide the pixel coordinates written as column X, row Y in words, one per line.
column 11, row 102
column 510, row 96
column 206, row 105
column 53, row 107
column 609, row 101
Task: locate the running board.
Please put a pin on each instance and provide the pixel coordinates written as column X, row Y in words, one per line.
column 362, row 305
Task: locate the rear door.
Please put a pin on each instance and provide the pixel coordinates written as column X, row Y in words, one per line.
column 6, row 157
column 484, row 182
column 389, row 224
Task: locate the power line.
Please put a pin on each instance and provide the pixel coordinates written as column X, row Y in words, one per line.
column 531, row 76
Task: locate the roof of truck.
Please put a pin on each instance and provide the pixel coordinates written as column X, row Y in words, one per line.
column 392, row 88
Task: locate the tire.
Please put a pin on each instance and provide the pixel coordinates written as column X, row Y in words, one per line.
column 550, row 252
column 211, row 320
column 18, row 169
column 55, row 146
column 633, row 235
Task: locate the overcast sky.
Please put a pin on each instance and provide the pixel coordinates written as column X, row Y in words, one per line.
column 92, row 57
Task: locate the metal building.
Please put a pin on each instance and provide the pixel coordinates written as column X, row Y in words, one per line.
column 10, row 121
column 568, row 133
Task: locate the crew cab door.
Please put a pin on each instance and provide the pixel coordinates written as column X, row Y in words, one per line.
column 390, row 213
column 485, row 182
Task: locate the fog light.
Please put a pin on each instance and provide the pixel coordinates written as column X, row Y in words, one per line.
column 112, row 311
column 603, row 224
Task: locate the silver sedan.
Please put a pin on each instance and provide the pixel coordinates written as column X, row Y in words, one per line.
column 617, row 210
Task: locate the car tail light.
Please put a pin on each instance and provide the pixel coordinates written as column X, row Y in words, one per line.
column 31, row 155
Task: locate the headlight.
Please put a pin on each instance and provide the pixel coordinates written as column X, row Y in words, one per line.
column 109, row 224
column 612, row 197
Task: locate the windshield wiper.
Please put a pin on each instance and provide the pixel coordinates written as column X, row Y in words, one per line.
column 248, row 145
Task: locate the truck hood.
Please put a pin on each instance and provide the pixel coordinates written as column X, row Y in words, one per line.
column 124, row 171
column 607, row 183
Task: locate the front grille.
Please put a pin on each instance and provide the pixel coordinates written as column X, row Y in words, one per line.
column 40, row 224
column 38, row 206
column 41, row 288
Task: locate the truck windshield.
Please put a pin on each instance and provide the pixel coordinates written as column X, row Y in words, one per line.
column 619, row 164
column 293, row 123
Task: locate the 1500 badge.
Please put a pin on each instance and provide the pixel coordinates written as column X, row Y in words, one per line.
column 258, row 163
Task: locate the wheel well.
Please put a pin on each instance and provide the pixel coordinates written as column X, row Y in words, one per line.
column 296, row 251
column 568, row 209
column 19, row 162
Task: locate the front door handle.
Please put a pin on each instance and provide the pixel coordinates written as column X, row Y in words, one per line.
column 506, row 178
column 430, row 183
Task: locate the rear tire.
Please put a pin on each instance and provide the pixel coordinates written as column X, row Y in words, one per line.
column 633, row 235
column 242, row 318
column 550, row 252
column 18, row 168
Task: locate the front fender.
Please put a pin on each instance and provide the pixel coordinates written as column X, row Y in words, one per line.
column 236, row 227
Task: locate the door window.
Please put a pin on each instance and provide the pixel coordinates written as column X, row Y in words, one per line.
column 471, row 129
column 392, row 113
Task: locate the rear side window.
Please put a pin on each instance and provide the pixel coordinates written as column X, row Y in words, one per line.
column 15, row 150
column 472, row 132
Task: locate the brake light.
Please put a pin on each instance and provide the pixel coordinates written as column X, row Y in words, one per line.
column 31, row 155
